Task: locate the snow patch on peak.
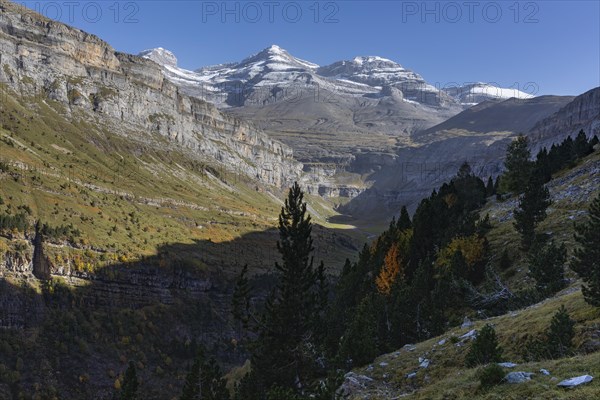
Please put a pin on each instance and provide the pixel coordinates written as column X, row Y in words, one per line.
column 275, row 49
column 372, row 59
column 160, row 56
column 473, row 93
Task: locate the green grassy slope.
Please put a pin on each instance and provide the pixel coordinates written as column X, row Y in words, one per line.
column 130, row 195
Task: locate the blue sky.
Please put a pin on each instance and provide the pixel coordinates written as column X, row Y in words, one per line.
column 546, row 47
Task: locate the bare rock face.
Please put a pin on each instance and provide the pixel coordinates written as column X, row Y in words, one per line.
column 48, row 59
column 581, row 113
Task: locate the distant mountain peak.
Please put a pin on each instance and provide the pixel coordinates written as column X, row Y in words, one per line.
column 278, row 56
column 473, row 93
column 160, row 56
column 361, row 60
column 275, row 49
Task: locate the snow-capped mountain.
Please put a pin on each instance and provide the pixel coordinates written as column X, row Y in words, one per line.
column 475, row 93
column 273, row 74
column 271, row 64
column 351, row 115
column 160, row 56
column 268, row 76
column 381, row 73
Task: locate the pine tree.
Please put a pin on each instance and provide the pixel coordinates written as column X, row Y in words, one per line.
column 518, row 165
column 464, row 170
column 204, row 381
column 489, row 187
column 594, row 141
column 130, row 383
column 469, row 189
column 531, row 210
column 542, row 167
column 485, row 348
column 359, row 344
column 284, row 353
column 546, row 266
column 191, row 387
column 560, row 334
column 566, row 153
column 586, row 261
column 581, row 146
column 404, row 220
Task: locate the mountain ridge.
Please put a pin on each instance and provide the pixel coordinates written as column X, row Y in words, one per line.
column 372, row 71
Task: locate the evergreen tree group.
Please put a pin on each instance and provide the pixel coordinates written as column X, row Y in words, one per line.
column 204, row 381
column 406, row 284
column 411, row 283
column 586, row 260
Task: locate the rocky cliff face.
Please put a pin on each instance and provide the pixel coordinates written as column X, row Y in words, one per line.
column 581, row 113
column 129, row 94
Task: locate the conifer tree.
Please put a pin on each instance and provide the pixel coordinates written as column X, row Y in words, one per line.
column 546, row 266
column 359, row 344
column 566, row 153
column 518, row 165
column 531, row 211
column 560, row 334
column 191, row 387
column 485, row 348
column 594, row 141
column 586, row 261
column 489, row 187
column 497, row 184
column 581, row 146
column 130, row 383
column 285, row 351
column 542, row 168
column 404, row 220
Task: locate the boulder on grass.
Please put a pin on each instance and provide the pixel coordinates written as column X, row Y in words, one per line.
column 576, row 381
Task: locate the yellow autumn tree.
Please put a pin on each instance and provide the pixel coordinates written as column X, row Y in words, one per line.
column 390, row 270
column 471, row 247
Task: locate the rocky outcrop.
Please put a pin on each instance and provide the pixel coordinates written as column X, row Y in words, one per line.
column 136, row 285
column 581, row 113
column 130, row 95
column 578, row 380
column 518, row 377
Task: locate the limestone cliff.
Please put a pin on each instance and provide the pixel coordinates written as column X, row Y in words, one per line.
column 47, row 59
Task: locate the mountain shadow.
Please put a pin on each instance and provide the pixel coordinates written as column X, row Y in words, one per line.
column 71, row 336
